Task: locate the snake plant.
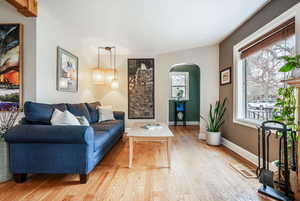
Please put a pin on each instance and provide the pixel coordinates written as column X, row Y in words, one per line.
column 215, row 118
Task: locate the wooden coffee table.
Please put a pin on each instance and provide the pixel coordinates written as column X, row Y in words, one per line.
column 160, row 134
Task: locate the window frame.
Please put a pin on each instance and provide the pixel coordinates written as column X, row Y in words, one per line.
column 239, row 83
column 187, row 87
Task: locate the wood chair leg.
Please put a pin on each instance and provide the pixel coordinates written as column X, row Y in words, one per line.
column 83, row 178
column 20, row 178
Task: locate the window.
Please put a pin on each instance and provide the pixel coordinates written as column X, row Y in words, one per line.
column 258, row 77
column 179, row 85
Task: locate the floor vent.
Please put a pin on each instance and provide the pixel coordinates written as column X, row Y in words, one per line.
column 244, row 170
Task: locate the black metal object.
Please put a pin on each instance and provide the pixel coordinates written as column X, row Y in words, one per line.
column 180, row 109
column 279, row 189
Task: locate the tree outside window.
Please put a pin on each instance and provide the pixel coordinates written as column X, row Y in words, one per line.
column 262, row 78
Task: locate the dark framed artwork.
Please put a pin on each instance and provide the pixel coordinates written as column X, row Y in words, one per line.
column 67, row 71
column 141, row 88
column 11, row 66
column 225, row 76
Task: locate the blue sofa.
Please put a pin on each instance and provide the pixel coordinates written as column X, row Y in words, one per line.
column 38, row 147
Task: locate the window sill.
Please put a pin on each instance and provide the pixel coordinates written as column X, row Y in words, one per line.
column 178, row 100
column 248, row 123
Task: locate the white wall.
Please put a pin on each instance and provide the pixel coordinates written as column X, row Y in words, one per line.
column 8, row 14
column 48, row 32
column 207, row 58
column 118, row 98
column 51, row 32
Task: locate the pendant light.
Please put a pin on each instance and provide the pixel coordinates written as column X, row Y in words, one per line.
column 104, row 75
column 109, row 72
column 115, row 81
column 98, row 74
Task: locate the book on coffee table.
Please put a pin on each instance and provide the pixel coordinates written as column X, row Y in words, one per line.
column 152, row 126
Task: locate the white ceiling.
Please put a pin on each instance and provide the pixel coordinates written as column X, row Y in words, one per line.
column 153, row 26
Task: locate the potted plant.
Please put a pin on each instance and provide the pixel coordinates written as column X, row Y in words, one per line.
column 214, row 122
column 7, row 121
column 179, row 94
column 291, row 63
column 286, row 103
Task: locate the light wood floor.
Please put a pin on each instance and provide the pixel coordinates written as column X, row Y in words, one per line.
column 198, row 173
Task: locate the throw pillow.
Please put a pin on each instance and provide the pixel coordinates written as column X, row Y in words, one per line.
column 105, row 113
column 40, row 113
column 63, row 118
column 83, row 121
column 92, row 108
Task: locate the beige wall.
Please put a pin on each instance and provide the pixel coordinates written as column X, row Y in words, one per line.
column 244, row 136
column 8, row 14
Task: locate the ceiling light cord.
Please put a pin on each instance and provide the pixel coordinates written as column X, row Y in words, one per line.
column 115, row 61
column 99, row 57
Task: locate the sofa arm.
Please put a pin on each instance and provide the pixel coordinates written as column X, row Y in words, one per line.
column 50, row 134
column 118, row 115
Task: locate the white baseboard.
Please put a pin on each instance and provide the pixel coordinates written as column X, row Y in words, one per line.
column 244, row 153
column 189, row 123
column 202, row 136
column 240, row 151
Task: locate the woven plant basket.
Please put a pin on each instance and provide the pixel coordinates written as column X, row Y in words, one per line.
column 5, row 174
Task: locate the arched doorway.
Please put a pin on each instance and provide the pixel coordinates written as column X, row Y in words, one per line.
column 184, row 85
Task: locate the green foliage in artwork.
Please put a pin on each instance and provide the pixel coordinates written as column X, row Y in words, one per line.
column 10, row 98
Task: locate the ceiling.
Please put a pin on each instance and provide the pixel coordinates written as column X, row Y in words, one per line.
column 153, row 26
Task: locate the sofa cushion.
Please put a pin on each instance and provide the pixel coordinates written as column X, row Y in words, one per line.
column 79, row 110
column 112, row 125
column 92, row 108
column 107, row 131
column 40, row 113
column 60, row 106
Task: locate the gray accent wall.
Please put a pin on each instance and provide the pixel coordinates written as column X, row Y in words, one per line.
column 243, row 136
